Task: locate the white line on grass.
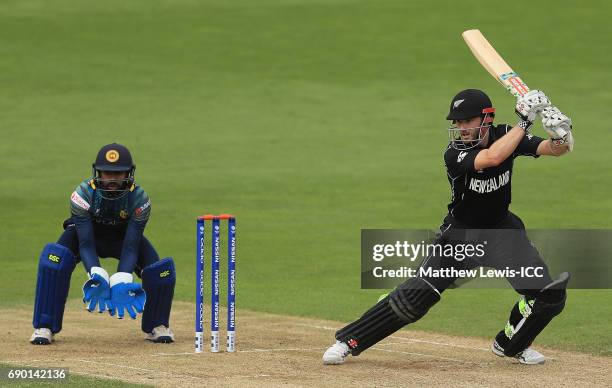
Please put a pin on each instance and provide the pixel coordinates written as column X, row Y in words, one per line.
column 154, row 371
column 255, row 350
column 439, row 343
column 173, row 374
column 424, row 355
column 114, row 378
column 280, row 350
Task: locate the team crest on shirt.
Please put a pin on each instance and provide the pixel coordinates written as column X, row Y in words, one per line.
column 461, row 155
column 123, row 214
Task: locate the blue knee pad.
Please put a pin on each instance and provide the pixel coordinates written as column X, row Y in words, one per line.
column 55, row 268
column 158, row 280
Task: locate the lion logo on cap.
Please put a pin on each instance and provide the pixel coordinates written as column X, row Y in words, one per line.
column 112, row 156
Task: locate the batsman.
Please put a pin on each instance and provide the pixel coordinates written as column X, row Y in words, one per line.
column 109, row 212
column 479, row 162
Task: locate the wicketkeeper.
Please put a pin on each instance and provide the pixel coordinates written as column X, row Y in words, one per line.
column 479, row 161
column 109, row 213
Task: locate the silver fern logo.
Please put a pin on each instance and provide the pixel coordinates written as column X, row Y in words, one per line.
column 457, row 103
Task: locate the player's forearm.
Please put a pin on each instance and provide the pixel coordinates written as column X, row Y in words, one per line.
column 87, row 246
column 548, row 148
column 131, row 242
column 505, row 146
column 129, row 258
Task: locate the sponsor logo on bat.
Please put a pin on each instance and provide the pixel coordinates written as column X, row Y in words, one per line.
column 506, row 76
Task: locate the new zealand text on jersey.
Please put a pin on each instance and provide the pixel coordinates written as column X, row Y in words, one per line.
column 488, row 185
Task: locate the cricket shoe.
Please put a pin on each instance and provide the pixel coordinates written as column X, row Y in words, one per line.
column 42, row 336
column 161, row 334
column 527, row 356
column 336, row 353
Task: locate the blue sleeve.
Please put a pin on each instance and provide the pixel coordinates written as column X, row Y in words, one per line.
column 80, row 205
column 140, row 210
column 131, row 242
column 87, row 245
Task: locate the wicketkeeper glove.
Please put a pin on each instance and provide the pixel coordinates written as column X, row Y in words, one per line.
column 96, row 290
column 126, row 296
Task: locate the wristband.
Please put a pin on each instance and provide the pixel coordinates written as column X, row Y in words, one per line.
column 525, row 125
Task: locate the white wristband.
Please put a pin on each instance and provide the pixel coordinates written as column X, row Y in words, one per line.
column 121, row 277
column 100, row 271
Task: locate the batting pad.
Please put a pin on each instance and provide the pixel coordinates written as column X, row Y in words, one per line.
column 534, row 316
column 158, row 281
column 55, row 268
column 374, row 325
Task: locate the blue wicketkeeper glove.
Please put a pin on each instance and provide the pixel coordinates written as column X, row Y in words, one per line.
column 96, row 290
column 126, row 295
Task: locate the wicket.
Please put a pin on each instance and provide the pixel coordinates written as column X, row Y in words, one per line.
column 231, row 282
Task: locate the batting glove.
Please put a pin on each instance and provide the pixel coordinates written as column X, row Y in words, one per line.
column 558, row 126
column 529, row 105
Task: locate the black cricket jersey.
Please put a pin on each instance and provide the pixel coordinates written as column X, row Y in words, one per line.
column 481, row 198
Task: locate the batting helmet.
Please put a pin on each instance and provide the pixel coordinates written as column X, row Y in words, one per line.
column 113, row 158
column 468, row 104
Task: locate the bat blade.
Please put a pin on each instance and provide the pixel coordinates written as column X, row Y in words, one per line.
column 490, row 59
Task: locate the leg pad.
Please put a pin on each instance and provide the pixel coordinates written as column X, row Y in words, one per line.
column 158, row 280
column 412, row 299
column 529, row 317
column 55, row 267
column 406, row 304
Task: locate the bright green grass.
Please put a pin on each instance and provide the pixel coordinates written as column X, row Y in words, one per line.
column 308, row 119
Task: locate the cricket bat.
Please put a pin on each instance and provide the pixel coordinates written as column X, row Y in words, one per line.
column 499, row 69
column 494, row 63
